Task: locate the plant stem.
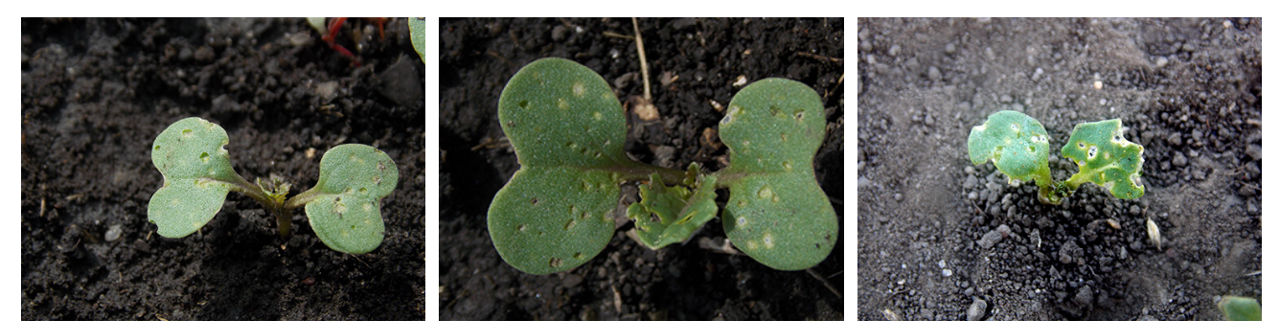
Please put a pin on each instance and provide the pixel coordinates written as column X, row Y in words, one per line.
column 302, row 199
column 275, row 204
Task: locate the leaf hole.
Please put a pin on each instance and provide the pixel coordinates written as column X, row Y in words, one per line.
column 569, row 225
column 1093, row 151
column 799, row 116
column 521, row 227
column 556, row 262
column 186, row 133
column 523, row 104
column 204, row 157
column 533, row 201
column 577, row 256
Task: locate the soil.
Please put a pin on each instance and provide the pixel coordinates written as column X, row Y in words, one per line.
column 96, row 92
column 701, row 58
column 1189, row 91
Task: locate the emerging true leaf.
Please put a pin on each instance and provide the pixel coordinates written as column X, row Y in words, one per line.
column 776, row 212
column 568, row 130
column 191, row 155
column 666, row 215
column 346, row 213
column 1105, row 158
column 1016, row 143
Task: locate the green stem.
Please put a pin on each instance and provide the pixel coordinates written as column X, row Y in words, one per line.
column 302, row 199
column 273, row 203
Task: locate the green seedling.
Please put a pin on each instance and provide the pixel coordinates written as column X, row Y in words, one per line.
column 343, row 207
column 1240, row 308
column 1019, row 147
column 568, row 129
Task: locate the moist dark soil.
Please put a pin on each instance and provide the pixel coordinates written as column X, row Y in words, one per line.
column 96, row 92
column 701, row 59
column 942, row 239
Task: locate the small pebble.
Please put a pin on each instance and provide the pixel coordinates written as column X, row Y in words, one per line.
column 893, row 50
column 559, row 32
column 976, row 310
column 934, row 73
column 991, row 238
column 113, row 233
column 1161, row 62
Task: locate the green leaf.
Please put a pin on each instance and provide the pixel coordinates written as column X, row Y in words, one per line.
column 1240, row 308
column 666, row 215
column 568, row 130
column 346, row 213
column 776, row 212
column 418, row 36
column 191, row 155
column 1105, row 158
column 1016, row 143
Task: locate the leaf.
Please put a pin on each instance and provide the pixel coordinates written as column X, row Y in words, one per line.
column 776, row 212
column 567, row 130
column 1016, row 143
column 666, row 215
column 1239, row 308
column 346, row 213
column 191, row 155
column 418, row 36
column 1105, row 158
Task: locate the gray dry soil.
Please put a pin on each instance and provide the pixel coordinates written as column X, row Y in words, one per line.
column 942, row 239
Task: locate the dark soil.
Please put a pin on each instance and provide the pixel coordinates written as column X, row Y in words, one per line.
column 1189, row 91
column 96, row 92
column 627, row 281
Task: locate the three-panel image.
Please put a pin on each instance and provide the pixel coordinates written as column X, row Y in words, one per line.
column 446, row 169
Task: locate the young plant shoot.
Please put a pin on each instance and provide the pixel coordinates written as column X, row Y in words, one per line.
column 343, row 207
column 1019, row 147
column 568, row 130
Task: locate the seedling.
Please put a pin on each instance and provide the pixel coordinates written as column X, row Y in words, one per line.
column 1019, row 147
column 567, row 129
column 343, row 207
